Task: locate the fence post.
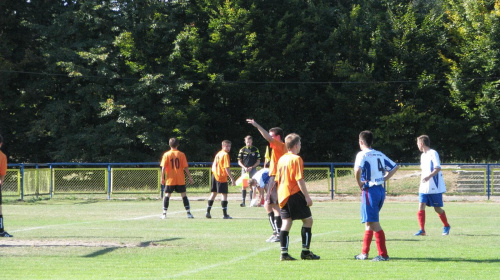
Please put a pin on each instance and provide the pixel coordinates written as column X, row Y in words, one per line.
column 488, row 174
column 51, row 188
column 22, row 181
column 332, row 181
column 109, row 181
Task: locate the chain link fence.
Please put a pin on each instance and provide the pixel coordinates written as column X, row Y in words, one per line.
column 145, row 179
column 459, row 179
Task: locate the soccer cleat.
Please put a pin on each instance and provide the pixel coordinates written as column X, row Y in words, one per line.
column 309, row 256
column 361, row 257
column 163, row 216
column 420, row 233
column 242, row 205
column 190, row 216
column 446, row 230
column 5, row 234
column 208, row 216
column 287, row 257
column 272, row 238
column 380, row 259
column 227, row 217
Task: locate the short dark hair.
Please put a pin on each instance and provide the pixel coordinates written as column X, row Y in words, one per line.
column 367, row 137
column 173, row 142
column 278, row 131
column 425, row 139
column 291, row 140
column 248, row 137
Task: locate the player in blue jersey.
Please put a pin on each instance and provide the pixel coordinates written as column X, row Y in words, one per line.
column 432, row 185
column 371, row 169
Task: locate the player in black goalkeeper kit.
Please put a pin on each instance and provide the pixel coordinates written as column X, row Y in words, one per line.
column 248, row 159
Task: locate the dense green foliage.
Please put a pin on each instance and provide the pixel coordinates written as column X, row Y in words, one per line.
column 103, row 80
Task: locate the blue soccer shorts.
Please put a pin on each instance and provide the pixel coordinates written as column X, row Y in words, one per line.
column 372, row 200
column 431, row 199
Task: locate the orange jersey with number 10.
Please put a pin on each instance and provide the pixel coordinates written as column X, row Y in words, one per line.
column 290, row 171
column 174, row 163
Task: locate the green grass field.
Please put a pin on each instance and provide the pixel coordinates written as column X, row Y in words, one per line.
column 95, row 239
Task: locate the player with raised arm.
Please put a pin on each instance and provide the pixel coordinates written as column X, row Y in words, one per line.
column 294, row 199
column 220, row 172
column 371, row 169
column 275, row 137
column 3, row 172
column 432, row 185
column 174, row 164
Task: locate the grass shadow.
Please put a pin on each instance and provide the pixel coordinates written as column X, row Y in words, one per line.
column 142, row 245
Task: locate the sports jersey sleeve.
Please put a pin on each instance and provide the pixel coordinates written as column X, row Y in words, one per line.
column 357, row 161
column 389, row 164
column 257, row 153
column 163, row 160
column 3, row 164
column 435, row 159
column 240, row 153
column 184, row 162
column 298, row 168
column 225, row 163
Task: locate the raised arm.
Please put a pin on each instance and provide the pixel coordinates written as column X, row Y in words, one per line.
column 262, row 131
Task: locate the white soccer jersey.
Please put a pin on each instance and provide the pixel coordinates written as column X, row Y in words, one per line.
column 262, row 177
column 374, row 164
column 428, row 162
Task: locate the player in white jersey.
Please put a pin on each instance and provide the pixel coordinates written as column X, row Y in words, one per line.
column 432, row 185
column 371, row 169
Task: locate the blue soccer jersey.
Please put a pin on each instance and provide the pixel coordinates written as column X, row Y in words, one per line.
column 373, row 164
column 428, row 162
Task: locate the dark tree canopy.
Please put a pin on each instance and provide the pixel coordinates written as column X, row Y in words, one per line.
column 112, row 81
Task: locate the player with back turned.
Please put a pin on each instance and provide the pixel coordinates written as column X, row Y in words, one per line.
column 174, row 164
column 371, row 169
column 220, row 171
column 294, row 199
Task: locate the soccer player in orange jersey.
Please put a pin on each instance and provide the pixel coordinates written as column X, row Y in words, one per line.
column 174, row 164
column 275, row 137
column 294, row 199
column 220, row 172
column 3, row 172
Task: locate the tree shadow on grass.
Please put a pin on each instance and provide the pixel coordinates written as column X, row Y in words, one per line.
column 142, row 245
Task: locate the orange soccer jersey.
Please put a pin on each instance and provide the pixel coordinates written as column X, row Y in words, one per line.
column 3, row 164
column 279, row 149
column 174, row 163
column 221, row 162
column 290, row 171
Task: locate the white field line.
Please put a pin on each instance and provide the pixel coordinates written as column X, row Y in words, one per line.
column 101, row 221
column 237, row 259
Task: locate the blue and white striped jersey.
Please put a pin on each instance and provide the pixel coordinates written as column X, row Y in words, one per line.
column 373, row 164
